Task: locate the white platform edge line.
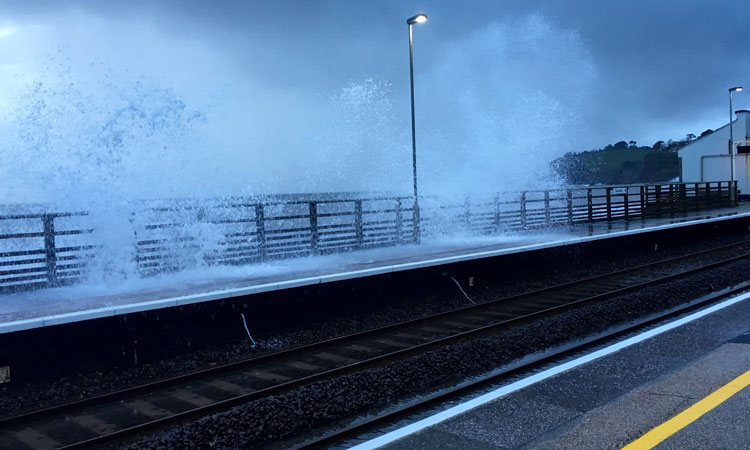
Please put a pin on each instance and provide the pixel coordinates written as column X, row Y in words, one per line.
column 528, row 381
column 59, row 319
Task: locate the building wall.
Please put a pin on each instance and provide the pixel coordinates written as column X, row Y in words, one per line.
column 714, row 151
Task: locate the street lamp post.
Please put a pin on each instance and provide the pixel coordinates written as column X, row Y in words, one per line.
column 732, row 150
column 419, row 18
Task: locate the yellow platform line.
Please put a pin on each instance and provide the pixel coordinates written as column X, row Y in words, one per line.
column 688, row 416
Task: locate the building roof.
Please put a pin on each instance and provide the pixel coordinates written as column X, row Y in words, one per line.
column 698, row 139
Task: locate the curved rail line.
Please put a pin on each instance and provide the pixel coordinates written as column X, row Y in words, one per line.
column 138, row 410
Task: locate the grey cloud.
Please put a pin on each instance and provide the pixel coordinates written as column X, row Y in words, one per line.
column 663, row 66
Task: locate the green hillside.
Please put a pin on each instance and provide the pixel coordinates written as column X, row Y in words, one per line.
column 623, row 163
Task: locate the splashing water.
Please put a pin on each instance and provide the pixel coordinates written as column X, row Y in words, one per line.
column 83, row 134
column 502, row 104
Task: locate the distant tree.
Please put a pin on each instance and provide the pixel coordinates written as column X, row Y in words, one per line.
column 658, row 145
column 632, row 144
column 690, row 137
column 628, row 172
column 660, row 166
column 707, row 132
column 621, row 144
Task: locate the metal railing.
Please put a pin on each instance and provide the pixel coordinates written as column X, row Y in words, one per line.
column 54, row 249
column 33, row 257
column 242, row 233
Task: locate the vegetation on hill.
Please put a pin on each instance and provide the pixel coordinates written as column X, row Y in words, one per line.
column 623, row 163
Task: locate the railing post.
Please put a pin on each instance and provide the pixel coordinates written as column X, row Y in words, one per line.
column 697, row 195
column 358, row 223
column 643, row 202
column 671, row 199
column 50, row 251
column 729, row 193
column 734, row 193
column 417, row 225
column 609, row 203
column 399, row 221
column 136, row 247
column 626, row 202
column 683, row 197
column 708, row 194
column 313, row 227
column 260, row 231
column 546, row 208
column 590, row 200
column 467, row 212
column 570, row 206
column 719, row 196
column 496, row 218
column 523, row 209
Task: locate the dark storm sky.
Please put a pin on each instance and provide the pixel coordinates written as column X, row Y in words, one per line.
column 662, row 67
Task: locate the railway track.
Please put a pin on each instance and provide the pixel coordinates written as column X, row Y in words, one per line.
column 131, row 412
column 408, row 412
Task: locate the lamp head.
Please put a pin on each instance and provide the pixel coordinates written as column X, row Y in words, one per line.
column 735, row 89
column 419, row 18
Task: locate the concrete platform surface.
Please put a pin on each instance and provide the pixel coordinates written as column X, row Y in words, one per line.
column 610, row 402
column 48, row 307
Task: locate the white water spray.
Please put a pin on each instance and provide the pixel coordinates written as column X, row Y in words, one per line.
column 97, row 123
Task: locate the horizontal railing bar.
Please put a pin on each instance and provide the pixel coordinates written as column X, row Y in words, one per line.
column 41, row 215
column 350, row 226
column 287, row 230
column 290, row 237
column 292, row 245
column 226, row 221
column 41, row 269
column 23, row 278
column 73, row 232
column 163, row 240
column 75, row 248
column 238, row 249
column 21, row 262
column 21, row 253
column 160, row 226
column 336, row 214
column 277, row 218
column 22, row 235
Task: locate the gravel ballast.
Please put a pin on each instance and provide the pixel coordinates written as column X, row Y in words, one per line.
column 262, row 422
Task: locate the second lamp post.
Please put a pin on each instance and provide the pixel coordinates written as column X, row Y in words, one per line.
column 732, row 151
column 419, row 18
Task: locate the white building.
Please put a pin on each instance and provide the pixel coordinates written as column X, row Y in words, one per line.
column 708, row 158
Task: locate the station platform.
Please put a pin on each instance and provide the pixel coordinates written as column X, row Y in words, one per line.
column 682, row 385
column 49, row 307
